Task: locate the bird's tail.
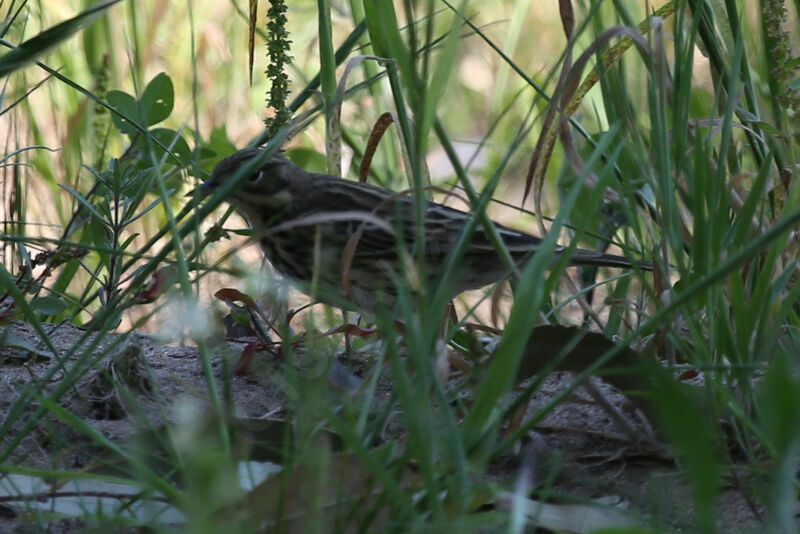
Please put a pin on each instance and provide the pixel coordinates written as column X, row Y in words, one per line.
column 600, row 259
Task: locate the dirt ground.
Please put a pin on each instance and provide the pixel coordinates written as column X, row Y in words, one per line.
column 599, row 459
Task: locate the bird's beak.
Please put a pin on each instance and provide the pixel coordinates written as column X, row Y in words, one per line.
column 203, row 190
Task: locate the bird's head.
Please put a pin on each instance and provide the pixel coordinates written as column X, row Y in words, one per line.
column 266, row 189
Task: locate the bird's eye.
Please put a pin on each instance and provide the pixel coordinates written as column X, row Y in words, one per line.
column 255, row 177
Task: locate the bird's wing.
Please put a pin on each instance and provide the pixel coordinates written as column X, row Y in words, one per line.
column 446, row 223
column 386, row 217
column 355, row 211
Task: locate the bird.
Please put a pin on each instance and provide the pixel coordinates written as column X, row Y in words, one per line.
column 348, row 244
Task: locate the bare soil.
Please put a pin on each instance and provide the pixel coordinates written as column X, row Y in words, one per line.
column 140, row 385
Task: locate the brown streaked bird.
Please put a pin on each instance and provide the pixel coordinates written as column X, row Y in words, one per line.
column 307, row 223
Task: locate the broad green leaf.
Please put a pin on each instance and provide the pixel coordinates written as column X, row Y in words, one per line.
column 126, row 105
column 157, row 99
column 13, row 340
column 48, row 305
column 178, row 146
column 309, row 159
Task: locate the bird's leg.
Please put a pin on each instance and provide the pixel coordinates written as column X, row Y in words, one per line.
column 348, row 346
